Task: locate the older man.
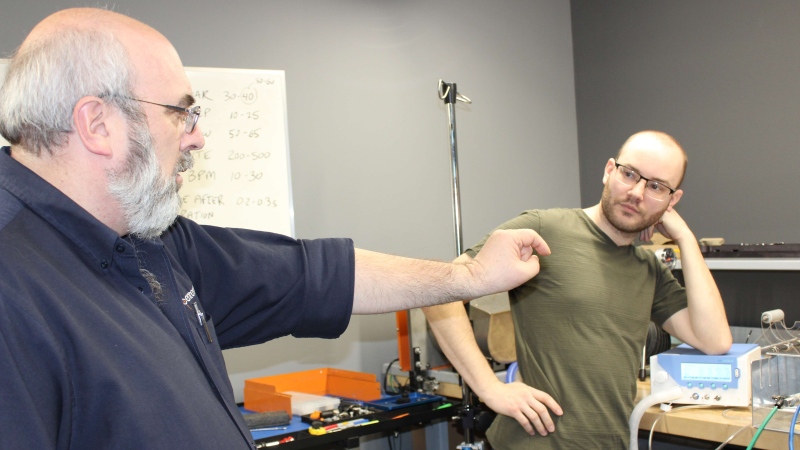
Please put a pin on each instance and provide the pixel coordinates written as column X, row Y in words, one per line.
column 582, row 322
column 113, row 313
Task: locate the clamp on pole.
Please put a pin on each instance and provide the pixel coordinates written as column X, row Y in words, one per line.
column 451, row 95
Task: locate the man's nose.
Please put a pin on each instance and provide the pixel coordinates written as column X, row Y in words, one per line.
column 637, row 190
column 194, row 140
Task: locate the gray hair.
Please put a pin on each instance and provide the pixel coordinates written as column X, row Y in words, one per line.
column 47, row 77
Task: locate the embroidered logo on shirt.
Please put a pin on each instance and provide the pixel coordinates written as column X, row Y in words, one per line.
column 188, row 297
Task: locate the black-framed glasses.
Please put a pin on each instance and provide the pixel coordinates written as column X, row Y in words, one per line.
column 192, row 115
column 653, row 189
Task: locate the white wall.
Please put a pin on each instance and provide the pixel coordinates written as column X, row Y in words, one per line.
column 368, row 135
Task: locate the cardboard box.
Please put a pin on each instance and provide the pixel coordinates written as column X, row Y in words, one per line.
column 269, row 393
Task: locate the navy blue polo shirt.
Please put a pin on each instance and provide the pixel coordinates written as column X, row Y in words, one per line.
column 90, row 358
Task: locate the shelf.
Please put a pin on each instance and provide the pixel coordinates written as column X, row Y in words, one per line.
column 750, row 263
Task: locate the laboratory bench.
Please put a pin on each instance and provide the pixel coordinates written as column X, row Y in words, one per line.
column 433, row 417
column 686, row 425
column 689, row 426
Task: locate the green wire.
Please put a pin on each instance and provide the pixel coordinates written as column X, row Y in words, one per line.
column 761, row 428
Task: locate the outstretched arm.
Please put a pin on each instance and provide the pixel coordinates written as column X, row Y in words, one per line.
column 386, row 283
column 454, row 334
column 703, row 323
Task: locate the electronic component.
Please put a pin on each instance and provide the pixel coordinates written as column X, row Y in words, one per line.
column 722, row 380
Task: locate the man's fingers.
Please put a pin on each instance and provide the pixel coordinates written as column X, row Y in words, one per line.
column 647, row 234
column 538, row 422
column 550, row 404
column 525, row 253
column 539, row 244
column 528, row 406
column 529, row 238
column 526, row 423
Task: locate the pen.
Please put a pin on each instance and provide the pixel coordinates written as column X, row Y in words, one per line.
column 400, row 416
column 445, row 405
column 274, row 443
column 269, row 429
column 342, row 425
column 201, row 319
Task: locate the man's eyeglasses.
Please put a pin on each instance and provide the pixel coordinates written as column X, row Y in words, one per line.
column 191, row 114
column 653, row 189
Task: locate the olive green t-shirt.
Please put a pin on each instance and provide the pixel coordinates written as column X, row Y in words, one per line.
column 580, row 327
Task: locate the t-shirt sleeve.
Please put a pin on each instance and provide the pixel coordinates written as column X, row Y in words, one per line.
column 259, row 286
column 528, row 219
column 669, row 297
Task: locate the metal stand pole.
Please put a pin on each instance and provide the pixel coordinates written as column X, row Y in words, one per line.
column 448, row 93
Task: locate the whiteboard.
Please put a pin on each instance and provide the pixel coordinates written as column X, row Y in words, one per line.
column 241, row 178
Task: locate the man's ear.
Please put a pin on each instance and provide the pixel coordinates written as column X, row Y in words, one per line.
column 608, row 170
column 675, row 198
column 90, row 117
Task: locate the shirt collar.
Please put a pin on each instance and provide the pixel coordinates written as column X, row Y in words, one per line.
column 53, row 206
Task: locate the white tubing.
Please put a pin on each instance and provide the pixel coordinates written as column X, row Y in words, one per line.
column 652, row 399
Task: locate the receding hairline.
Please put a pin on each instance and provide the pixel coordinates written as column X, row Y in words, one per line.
column 663, row 138
column 138, row 39
column 79, row 19
column 130, row 32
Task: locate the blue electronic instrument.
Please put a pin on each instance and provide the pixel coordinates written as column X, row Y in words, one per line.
column 722, row 380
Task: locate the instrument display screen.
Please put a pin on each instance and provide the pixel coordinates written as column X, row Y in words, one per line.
column 706, row 372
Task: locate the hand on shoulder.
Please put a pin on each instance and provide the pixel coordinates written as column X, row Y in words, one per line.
column 507, row 259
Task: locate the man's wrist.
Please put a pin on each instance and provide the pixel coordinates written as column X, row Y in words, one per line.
column 686, row 239
column 468, row 280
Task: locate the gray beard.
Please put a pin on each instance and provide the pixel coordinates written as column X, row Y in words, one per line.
column 150, row 203
column 155, row 285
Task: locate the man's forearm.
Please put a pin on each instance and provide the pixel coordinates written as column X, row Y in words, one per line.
column 450, row 324
column 706, row 310
column 386, row 283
